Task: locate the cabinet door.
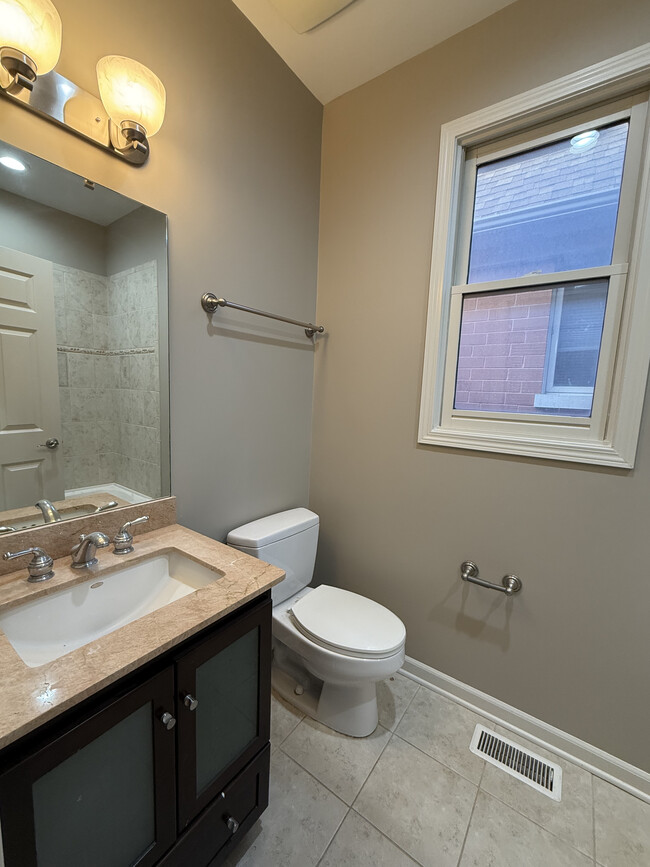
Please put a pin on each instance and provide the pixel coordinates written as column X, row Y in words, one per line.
column 224, row 696
column 101, row 794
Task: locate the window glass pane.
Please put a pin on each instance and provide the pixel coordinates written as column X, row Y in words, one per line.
column 549, row 209
column 531, row 350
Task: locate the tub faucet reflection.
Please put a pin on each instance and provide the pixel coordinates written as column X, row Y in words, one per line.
column 50, row 514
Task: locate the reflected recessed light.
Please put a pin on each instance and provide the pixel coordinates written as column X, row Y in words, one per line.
column 11, row 163
column 584, row 141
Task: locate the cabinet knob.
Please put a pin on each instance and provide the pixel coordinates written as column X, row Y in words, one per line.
column 167, row 720
column 191, row 702
column 232, row 824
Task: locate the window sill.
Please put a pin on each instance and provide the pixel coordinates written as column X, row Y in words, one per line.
column 577, row 451
column 563, row 400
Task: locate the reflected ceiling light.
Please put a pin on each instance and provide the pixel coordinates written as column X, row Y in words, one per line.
column 584, row 141
column 133, row 97
column 30, row 40
column 13, row 164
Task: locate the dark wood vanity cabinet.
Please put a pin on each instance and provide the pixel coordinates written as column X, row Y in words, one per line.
column 169, row 766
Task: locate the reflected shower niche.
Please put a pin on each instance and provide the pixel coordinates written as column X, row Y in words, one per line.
column 84, row 406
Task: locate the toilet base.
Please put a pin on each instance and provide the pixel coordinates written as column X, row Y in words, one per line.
column 350, row 709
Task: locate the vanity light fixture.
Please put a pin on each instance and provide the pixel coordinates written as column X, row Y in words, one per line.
column 134, row 99
column 132, row 105
column 30, row 40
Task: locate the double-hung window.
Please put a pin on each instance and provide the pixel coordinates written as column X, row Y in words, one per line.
column 539, row 321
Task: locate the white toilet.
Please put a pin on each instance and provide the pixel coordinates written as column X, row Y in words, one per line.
column 330, row 646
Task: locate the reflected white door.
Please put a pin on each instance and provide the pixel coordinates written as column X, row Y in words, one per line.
column 29, row 383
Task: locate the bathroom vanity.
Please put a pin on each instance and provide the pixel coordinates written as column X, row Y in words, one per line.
column 149, row 745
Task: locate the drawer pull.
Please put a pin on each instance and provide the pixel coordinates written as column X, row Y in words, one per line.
column 167, row 720
column 232, row 824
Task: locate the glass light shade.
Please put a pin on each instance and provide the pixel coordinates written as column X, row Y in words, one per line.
column 131, row 92
column 32, row 27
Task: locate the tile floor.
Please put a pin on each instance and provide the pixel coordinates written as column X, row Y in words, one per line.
column 413, row 794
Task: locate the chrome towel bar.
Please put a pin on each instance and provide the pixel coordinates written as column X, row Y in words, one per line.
column 509, row 583
column 211, row 303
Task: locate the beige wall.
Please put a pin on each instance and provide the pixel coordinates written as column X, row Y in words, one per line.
column 398, row 518
column 236, row 167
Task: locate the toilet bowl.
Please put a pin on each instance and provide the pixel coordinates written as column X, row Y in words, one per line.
column 330, row 646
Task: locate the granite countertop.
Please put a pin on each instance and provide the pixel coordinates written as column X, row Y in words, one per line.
column 32, row 696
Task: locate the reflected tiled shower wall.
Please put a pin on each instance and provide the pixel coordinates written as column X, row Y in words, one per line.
column 107, row 339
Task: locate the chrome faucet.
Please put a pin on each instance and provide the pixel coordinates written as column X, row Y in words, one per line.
column 50, row 514
column 83, row 553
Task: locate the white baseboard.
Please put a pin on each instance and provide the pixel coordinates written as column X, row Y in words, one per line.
column 602, row 764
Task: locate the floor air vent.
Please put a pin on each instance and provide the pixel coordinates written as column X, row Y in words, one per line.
column 544, row 776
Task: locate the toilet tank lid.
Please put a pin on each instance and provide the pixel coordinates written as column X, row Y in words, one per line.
column 264, row 531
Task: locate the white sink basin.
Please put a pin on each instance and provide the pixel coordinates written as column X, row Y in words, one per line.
column 49, row 627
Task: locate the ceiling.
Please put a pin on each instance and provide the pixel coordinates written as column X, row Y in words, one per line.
column 53, row 186
column 364, row 39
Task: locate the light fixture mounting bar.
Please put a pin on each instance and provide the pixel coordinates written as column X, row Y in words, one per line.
column 62, row 102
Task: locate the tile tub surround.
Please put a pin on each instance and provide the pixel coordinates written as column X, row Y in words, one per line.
column 495, row 821
column 32, row 696
column 58, row 538
column 109, row 382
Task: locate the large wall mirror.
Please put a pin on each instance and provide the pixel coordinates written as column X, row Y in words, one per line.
column 84, row 381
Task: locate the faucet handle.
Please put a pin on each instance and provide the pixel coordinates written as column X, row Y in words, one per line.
column 39, row 567
column 123, row 540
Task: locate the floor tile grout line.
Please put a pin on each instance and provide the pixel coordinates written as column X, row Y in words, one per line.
column 324, row 785
column 390, row 732
column 471, row 815
column 333, row 837
column 593, row 816
column 496, row 797
column 439, row 761
column 406, row 709
column 499, row 722
column 367, row 777
column 277, row 746
column 387, row 836
column 537, row 824
column 394, row 735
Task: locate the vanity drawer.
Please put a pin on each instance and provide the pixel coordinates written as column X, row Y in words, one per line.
column 209, row 839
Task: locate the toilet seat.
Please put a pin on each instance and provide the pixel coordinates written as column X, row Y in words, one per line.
column 348, row 623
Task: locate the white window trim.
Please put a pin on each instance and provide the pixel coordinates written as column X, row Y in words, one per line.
column 621, row 417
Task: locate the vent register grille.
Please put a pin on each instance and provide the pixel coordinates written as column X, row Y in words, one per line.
column 532, row 769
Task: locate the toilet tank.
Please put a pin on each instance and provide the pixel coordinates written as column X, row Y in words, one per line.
column 288, row 540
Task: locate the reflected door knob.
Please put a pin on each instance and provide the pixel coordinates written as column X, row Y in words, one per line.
column 167, row 720
column 190, row 702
